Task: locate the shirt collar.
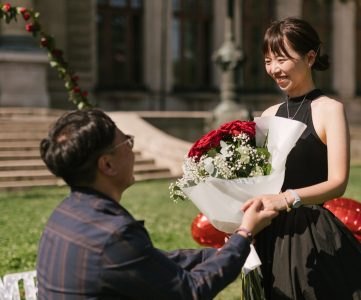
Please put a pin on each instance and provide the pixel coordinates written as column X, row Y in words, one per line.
column 101, row 202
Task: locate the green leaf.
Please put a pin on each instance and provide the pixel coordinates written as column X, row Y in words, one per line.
column 267, row 170
column 212, row 153
column 263, row 151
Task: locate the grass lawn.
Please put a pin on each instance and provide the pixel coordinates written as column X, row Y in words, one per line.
column 23, row 215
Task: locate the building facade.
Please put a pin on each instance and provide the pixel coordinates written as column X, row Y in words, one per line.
column 158, row 54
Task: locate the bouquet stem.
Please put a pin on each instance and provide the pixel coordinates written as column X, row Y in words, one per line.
column 252, row 286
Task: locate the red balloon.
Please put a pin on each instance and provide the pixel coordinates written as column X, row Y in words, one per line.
column 349, row 212
column 205, row 234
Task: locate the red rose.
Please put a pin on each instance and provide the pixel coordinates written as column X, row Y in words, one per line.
column 212, row 139
column 237, row 127
column 22, row 10
column 57, row 53
column 26, row 16
column 30, row 27
column 76, row 89
column 205, row 143
column 75, row 78
column 6, row 7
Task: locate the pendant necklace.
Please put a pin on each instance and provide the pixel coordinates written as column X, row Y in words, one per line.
column 288, row 112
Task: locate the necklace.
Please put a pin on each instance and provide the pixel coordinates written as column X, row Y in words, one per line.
column 288, row 112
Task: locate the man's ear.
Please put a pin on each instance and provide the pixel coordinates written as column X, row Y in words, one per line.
column 105, row 165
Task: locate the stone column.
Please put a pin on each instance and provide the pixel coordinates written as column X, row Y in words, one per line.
column 23, row 65
column 287, row 8
column 219, row 15
column 344, row 49
column 158, row 55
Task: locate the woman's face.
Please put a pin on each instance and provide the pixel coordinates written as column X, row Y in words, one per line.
column 292, row 75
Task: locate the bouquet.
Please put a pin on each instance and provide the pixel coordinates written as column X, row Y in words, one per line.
column 233, row 163
column 229, row 152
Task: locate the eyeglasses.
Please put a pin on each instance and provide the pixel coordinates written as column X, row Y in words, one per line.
column 129, row 140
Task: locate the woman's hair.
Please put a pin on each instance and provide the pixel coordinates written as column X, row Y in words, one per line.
column 300, row 35
column 74, row 144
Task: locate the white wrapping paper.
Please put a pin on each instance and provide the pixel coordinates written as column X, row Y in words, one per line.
column 220, row 199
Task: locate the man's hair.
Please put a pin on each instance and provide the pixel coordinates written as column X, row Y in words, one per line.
column 74, row 144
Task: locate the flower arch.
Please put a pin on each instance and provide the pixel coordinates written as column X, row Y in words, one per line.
column 76, row 95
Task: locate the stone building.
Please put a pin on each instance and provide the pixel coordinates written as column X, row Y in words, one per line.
column 157, row 54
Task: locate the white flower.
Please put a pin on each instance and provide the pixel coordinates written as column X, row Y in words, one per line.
column 244, row 151
column 225, row 149
column 208, row 165
column 257, row 171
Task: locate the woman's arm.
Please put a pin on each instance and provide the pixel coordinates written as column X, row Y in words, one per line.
column 331, row 125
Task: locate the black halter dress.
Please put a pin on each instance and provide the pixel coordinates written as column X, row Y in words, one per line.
column 308, row 253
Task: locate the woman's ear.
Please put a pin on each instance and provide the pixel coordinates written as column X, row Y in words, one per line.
column 105, row 165
column 311, row 57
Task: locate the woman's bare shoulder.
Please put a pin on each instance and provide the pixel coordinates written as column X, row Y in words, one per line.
column 271, row 111
column 327, row 105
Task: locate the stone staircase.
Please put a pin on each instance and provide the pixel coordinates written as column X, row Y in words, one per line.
column 20, row 164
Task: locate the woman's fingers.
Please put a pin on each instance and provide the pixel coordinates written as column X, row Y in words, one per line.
column 247, row 204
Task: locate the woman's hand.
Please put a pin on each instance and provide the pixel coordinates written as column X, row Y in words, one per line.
column 275, row 202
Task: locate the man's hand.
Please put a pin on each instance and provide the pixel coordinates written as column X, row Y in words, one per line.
column 256, row 217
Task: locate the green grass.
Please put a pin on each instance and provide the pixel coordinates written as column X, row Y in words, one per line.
column 23, row 215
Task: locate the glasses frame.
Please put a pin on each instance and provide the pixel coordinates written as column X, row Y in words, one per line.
column 129, row 140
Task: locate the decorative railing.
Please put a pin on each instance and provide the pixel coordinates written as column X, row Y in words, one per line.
column 76, row 95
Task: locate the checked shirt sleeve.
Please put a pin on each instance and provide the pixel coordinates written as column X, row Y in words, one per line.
column 133, row 268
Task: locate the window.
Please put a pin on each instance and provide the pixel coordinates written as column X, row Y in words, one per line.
column 191, row 44
column 119, row 44
column 255, row 78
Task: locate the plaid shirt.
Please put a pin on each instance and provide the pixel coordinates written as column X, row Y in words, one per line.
column 92, row 248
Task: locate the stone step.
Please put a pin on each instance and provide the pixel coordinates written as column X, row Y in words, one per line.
column 21, row 130
column 25, row 184
column 21, row 154
column 355, row 133
column 21, row 164
column 26, row 114
column 142, row 169
column 45, row 174
column 12, row 185
column 11, row 126
column 16, row 145
column 22, row 136
column 37, row 164
column 153, row 176
column 18, row 175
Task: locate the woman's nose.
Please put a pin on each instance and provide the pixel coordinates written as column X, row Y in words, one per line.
column 274, row 68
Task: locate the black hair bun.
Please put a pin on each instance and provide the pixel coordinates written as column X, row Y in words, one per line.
column 321, row 63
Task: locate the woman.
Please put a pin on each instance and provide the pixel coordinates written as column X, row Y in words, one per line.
column 307, row 253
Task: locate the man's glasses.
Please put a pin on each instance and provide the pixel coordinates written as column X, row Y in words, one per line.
column 129, row 140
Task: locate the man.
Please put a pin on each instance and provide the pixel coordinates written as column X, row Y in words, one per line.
column 92, row 247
